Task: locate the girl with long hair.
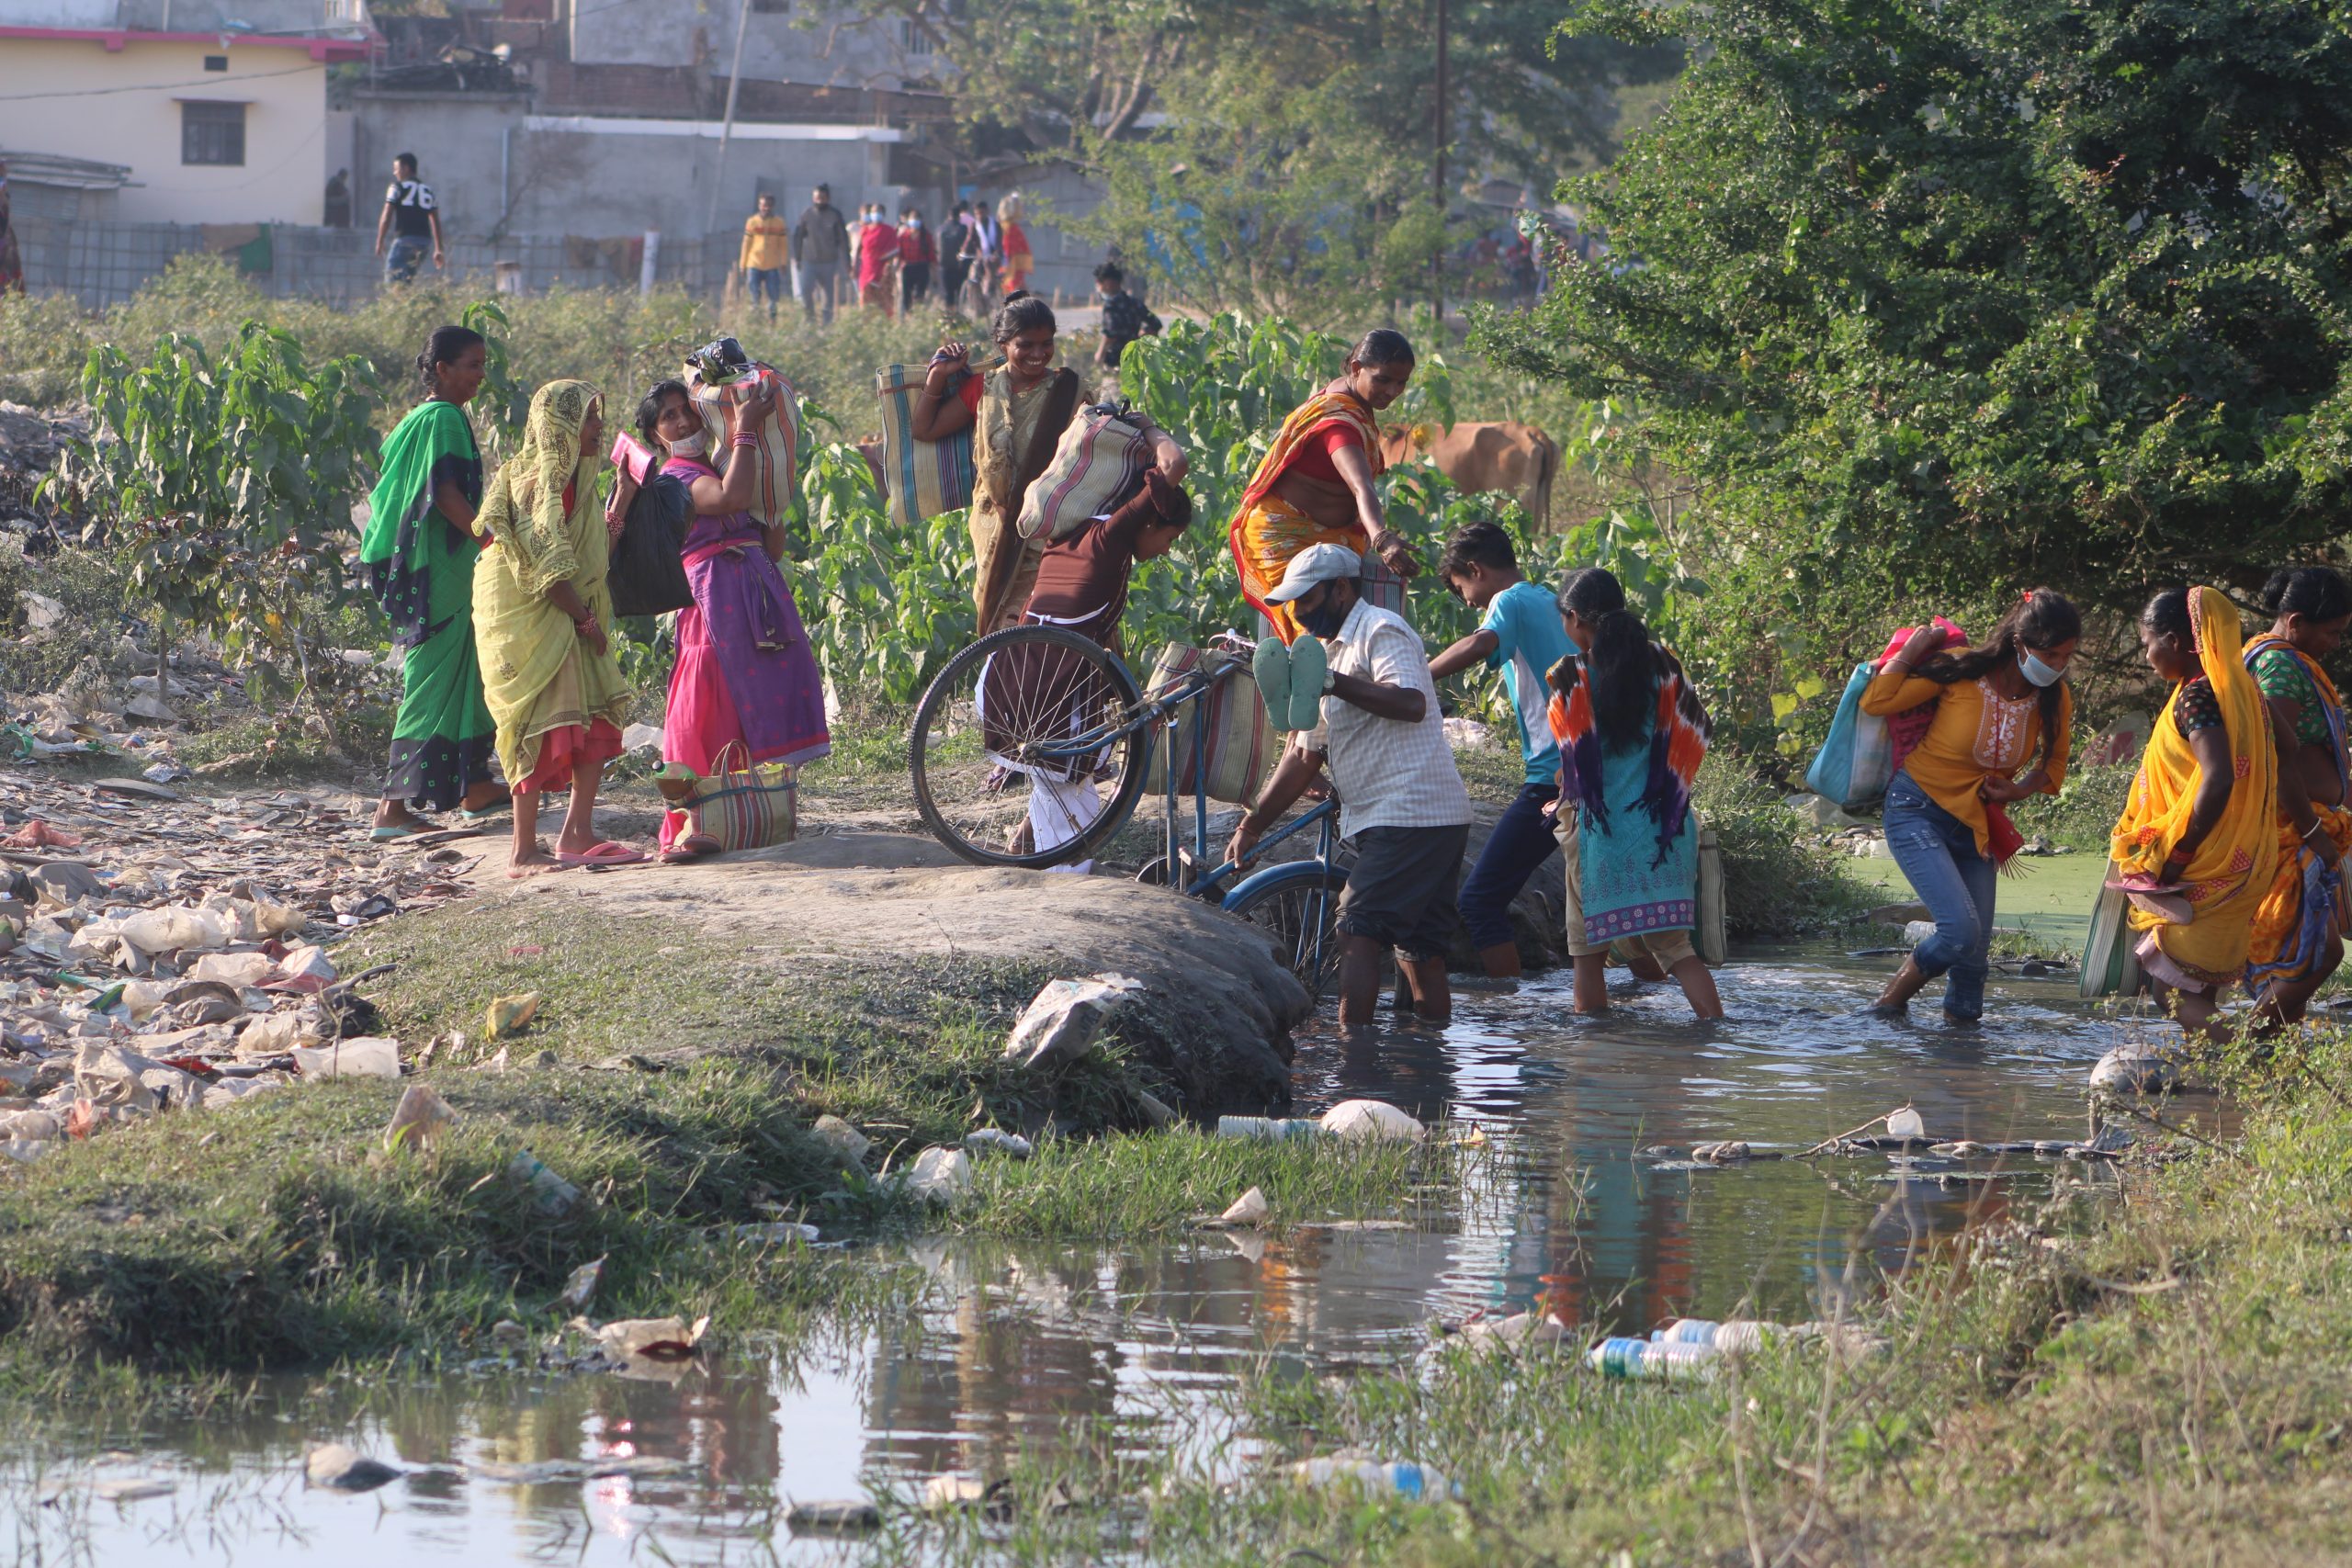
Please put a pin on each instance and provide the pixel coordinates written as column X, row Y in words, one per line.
column 1947, row 808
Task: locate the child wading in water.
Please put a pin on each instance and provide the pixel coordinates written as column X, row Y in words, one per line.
column 1632, row 735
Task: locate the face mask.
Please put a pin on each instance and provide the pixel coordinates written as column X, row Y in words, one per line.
column 688, row 445
column 1324, row 620
column 2035, row 671
column 914, row 222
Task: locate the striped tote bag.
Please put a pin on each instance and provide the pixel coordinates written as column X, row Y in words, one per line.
column 1096, row 466
column 2110, row 963
column 924, row 477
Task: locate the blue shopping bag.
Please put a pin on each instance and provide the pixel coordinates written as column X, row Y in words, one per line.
column 1856, row 762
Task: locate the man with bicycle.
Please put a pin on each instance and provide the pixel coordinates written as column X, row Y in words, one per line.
column 1402, row 803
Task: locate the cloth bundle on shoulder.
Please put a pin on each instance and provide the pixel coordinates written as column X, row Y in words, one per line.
column 1858, row 760
column 1240, row 741
column 647, row 570
column 1098, row 464
column 924, row 477
column 743, row 804
column 782, row 436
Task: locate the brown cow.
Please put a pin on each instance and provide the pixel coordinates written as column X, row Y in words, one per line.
column 1518, row 459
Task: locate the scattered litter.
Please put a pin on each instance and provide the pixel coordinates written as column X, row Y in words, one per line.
column 776, row 1232
column 510, row 1015
column 132, row 1489
column 420, row 1118
column 339, row 1466
column 1905, row 1123
column 554, row 1194
column 580, row 1288
column 1629, row 1358
column 1249, row 1209
column 940, row 1176
column 1378, row 1478
column 369, row 1057
column 1520, row 1332
column 1062, row 1022
column 845, row 1140
column 852, row 1516
column 650, row 1338
column 2136, row 1068
column 1730, row 1153
column 956, row 1494
column 999, row 1140
column 1371, row 1119
column 1268, row 1127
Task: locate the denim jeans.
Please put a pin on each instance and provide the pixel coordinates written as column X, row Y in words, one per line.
column 403, row 257
column 1520, row 842
column 768, row 281
column 1937, row 851
column 814, row 281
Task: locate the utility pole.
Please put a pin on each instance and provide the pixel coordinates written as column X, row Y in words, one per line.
column 1438, row 116
column 726, row 126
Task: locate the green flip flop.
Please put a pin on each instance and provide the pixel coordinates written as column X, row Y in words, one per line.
column 1270, row 665
column 1310, row 665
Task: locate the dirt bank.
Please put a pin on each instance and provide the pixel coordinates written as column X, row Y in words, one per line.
column 1217, row 1009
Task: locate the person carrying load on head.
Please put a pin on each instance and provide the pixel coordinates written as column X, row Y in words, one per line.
column 1315, row 486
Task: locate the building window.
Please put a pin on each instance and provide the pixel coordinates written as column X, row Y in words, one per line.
column 770, row 7
column 216, row 63
column 212, row 133
column 914, row 39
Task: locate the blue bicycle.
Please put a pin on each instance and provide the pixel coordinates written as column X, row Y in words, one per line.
column 1015, row 740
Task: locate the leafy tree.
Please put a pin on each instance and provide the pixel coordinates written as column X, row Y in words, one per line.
column 1939, row 300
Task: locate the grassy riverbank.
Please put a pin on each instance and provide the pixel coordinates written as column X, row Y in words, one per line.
column 2167, row 1384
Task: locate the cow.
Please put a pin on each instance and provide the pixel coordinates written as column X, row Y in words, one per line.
column 1518, row 459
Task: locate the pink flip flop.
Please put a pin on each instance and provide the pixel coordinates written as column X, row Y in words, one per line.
column 606, row 853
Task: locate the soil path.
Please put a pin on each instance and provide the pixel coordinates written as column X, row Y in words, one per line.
column 1218, row 1008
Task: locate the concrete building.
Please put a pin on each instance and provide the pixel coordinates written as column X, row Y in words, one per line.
column 218, row 108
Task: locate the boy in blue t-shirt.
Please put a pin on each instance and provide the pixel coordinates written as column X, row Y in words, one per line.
column 1524, row 636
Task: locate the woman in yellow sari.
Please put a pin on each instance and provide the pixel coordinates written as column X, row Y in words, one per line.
column 2197, row 839
column 1016, row 414
column 1313, row 486
column 541, row 612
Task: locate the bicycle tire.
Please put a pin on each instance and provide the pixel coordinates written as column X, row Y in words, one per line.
column 936, row 719
column 1276, row 902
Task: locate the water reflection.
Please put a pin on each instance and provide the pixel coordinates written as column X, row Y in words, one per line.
column 1021, row 1349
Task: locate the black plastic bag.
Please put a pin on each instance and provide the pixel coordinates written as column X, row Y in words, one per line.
column 647, row 573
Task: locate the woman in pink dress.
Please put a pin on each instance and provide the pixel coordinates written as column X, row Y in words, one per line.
column 745, row 688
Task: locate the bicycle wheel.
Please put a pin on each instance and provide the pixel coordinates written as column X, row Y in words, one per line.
column 1298, row 907
column 1017, row 731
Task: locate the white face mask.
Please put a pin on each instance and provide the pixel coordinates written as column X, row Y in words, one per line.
column 688, row 445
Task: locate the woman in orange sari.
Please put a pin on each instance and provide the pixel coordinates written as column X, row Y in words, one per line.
column 1315, row 487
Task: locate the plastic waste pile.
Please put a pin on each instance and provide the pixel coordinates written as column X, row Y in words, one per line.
column 1698, row 1348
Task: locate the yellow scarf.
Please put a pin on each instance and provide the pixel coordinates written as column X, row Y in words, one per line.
column 2232, row 869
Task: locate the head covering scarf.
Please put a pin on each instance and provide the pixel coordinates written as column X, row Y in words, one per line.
column 2232, row 869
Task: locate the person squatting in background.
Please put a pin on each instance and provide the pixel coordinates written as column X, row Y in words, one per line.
column 1523, row 635
column 1947, row 821
column 1632, row 734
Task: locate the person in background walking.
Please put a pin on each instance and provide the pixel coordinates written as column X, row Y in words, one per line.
column 1522, row 636
column 917, row 254
column 1946, row 822
column 2298, row 932
column 418, row 556
column 952, row 268
column 1632, row 734
column 765, row 253
column 411, row 219
column 2198, row 843
column 877, row 254
column 542, row 618
column 1403, row 806
column 819, row 241
column 338, row 213
column 1123, row 316
column 1019, row 263
column 983, row 251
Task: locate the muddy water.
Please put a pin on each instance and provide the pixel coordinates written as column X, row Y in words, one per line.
column 1018, row 1349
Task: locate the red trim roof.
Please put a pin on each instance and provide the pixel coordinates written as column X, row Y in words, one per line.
column 322, row 50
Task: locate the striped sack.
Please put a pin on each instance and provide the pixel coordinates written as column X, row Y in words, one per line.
column 924, row 477
column 2110, row 959
column 1242, row 744
column 750, row 806
column 782, row 437
column 1097, row 465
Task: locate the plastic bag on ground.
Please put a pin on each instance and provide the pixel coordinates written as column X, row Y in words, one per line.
column 1062, row 1022
column 1371, row 1119
column 650, row 1338
column 420, row 1118
column 369, row 1057
column 940, row 1176
column 174, row 930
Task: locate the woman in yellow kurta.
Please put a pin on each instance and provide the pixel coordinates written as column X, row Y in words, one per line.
column 1946, row 808
column 2199, row 832
column 541, row 612
column 1313, row 486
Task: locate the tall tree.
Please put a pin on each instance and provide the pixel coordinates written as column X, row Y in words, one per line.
column 1942, row 300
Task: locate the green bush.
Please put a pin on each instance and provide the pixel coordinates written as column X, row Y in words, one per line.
column 1779, row 883
column 2084, row 812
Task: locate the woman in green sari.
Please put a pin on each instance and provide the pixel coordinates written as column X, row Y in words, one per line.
column 541, row 610
column 418, row 554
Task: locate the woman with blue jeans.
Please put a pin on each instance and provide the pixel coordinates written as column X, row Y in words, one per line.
column 1947, row 809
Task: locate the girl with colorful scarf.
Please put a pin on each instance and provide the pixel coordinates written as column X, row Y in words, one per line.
column 541, row 612
column 2298, row 931
column 745, row 684
column 418, row 554
column 1314, row 485
column 1016, row 414
column 1632, row 734
column 2200, row 837
column 1946, row 806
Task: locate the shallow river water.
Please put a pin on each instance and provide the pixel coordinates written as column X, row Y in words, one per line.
column 1018, row 1349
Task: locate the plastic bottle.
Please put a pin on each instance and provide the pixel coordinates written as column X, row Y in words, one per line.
column 556, row 1196
column 1646, row 1359
column 1268, row 1127
column 1399, row 1478
column 1736, row 1334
